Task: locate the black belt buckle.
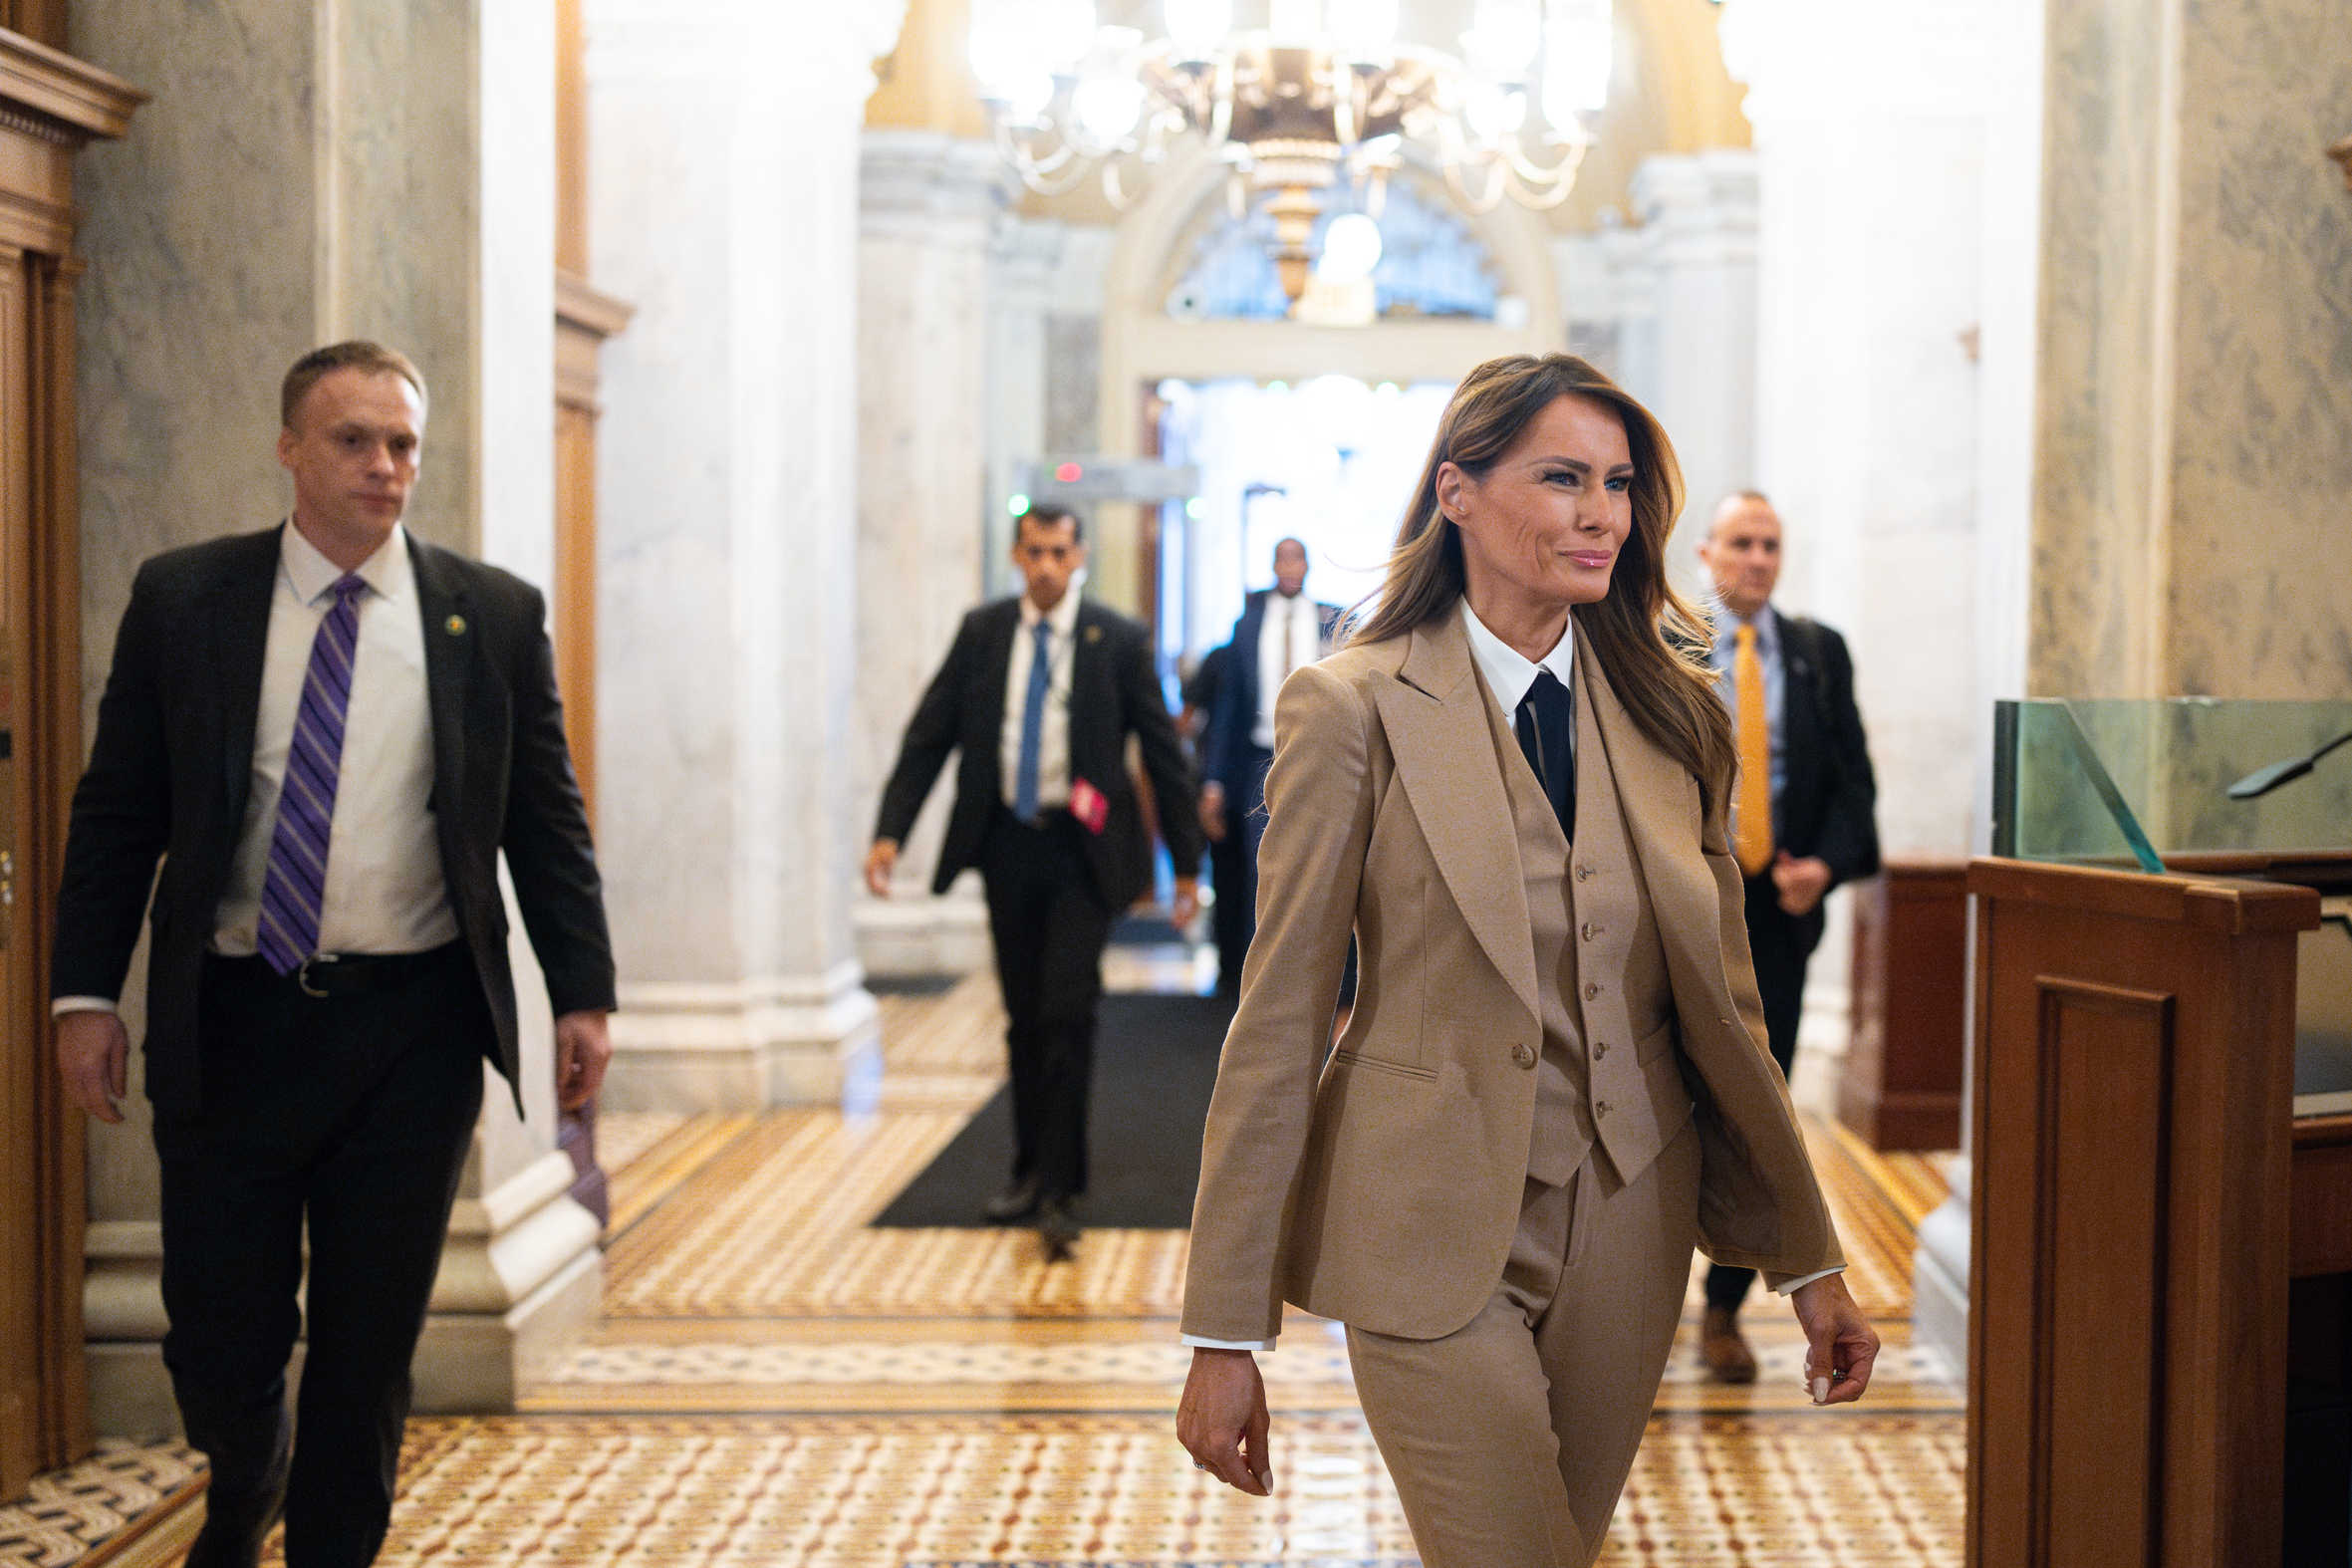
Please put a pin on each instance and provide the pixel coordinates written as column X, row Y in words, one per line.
column 302, row 975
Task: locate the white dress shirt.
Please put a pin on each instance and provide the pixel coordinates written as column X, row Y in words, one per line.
column 384, row 859
column 385, row 893
column 1290, row 635
column 1052, row 735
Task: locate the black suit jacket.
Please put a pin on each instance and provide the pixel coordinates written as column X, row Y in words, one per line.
column 1114, row 693
column 173, row 765
column 1226, row 753
column 1828, row 795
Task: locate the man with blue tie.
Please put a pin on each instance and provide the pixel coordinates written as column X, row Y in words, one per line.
column 1040, row 693
column 1280, row 628
column 1802, row 812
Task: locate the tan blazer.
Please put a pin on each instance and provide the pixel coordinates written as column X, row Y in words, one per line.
column 1383, row 1189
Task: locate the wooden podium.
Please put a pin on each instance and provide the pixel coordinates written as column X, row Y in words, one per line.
column 2133, row 1143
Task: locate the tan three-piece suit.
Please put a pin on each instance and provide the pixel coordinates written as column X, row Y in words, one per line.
column 1553, row 1081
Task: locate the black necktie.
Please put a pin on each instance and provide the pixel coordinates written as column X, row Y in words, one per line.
column 1546, row 723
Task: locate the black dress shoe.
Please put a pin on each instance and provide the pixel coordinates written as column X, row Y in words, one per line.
column 1057, row 1228
column 1017, row 1201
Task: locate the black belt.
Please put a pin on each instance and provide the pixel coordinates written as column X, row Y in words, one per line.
column 333, row 974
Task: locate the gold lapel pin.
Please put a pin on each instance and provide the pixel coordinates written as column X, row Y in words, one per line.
column 1094, row 634
column 456, row 626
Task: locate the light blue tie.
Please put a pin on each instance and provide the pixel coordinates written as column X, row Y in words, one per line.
column 1033, row 725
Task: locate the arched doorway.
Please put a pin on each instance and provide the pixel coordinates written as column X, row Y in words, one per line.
column 1156, row 330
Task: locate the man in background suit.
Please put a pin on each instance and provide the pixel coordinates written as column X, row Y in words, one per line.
column 1279, row 630
column 1040, row 694
column 327, row 731
column 1802, row 811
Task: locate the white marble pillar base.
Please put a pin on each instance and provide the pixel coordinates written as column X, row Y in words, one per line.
column 521, row 1275
column 743, row 1045
column 916, row 933
column 1939, row 1278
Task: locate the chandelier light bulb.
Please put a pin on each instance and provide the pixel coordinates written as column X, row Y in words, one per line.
column 1494, row 108
column 1578, row 59
column 1351, row 248
column 1108, row 106
column 1061, row 32
column 1503, row 36
column 997, row 58
column 1026, row 96
column 1364, row 27
column 1199, row 25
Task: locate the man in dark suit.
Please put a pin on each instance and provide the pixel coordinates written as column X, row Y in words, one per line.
column 1040, row 694
column 1802, row 811
column 327, row 733
column 1279, row 630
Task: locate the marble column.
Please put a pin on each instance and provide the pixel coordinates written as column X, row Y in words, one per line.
column 1869, row 120
column 927, row 202
column 247, row 222
column 725, row 201
column 1699, row 222
column 2190, row 468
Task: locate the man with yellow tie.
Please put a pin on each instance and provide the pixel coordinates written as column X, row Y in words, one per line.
column 1801, row 812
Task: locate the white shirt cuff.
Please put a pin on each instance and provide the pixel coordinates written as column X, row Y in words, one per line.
column 1795, row 1285
column 1199, row 1343
column 81, row 1004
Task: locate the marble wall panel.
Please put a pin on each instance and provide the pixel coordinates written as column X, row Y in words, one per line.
column 928, row 201
column 728, row 214
column 2196, row 331
column 2260, row 603
column 185, row 323
column 2101, row 408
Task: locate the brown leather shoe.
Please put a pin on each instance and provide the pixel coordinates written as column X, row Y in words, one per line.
column 1728, row 1357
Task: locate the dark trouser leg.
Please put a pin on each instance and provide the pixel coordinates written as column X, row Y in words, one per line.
column 379, row 1202
column 1234, row 914
column 1019, row 895
column 1076, row 924
column 1050, row 925
column 357, row 1110
column 1247, row 818
column 1783, row 944
column 232, row 1262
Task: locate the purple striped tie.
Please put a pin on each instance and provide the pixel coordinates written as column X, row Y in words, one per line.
column 297, row 882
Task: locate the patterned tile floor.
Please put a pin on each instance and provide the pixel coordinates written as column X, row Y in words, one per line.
column 773, row 1383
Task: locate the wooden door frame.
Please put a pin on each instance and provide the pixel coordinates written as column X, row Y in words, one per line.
column 51, row 106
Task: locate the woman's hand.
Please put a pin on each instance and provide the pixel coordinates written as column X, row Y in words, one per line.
column 1840, row 1344
column 1221, row 1420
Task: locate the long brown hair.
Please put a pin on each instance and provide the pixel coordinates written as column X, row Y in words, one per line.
column 1647, row 637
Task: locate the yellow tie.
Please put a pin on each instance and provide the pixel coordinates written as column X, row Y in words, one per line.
column 1752, row 843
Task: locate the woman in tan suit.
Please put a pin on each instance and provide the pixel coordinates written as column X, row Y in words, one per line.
column 1512, row 791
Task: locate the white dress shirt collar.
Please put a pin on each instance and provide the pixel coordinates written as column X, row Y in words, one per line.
column 1063, row 616
column 386, row 573
column 1509, row 672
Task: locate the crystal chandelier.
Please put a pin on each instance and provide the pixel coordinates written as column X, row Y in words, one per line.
column 1325, row 90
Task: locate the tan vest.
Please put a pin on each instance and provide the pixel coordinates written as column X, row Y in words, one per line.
column 1608, row 1045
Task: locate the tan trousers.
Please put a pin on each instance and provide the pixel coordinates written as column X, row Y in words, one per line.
column 1510, row 1439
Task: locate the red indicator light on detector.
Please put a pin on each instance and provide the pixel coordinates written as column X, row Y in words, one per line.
column 1069, row 473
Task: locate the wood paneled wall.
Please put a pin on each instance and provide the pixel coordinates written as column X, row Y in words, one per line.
column 50, row 107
